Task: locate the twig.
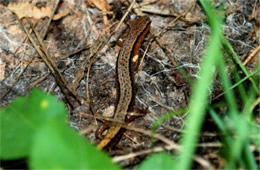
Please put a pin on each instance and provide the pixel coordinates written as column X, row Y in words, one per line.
column 51, row 65
column 170, row 144
column 68, row 54
column 205, row 163
column 19, row 75
column 136, row 8
column 43, row 35
column 236, row 85
column 132, row 128
column 256, row 50
column 256, row 103
column 124, row 16
column 39, row 80
column 167, row 52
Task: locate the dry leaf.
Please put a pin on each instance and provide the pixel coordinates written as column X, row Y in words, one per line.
column 61, row 14
column 26, row 9
column 100, row 4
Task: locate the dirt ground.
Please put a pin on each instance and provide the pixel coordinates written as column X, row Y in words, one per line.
column 72, row 32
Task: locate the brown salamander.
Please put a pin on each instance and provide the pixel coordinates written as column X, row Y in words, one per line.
column 127, row 64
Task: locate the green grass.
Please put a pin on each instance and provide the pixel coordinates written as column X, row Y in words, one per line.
column 238, row 125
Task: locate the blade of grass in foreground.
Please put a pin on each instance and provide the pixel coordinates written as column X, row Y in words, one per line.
column 235, row 149
column 236, row 58
column 199, row 99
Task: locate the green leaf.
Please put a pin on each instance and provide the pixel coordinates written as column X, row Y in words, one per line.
column 158, row 161
column 59, row 147
column 22, row 118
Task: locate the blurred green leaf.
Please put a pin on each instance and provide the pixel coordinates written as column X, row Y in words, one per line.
column 20, row 120
column 59, row 147
column 158, row 161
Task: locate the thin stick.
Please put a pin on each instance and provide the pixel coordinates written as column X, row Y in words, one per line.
column 205, row 163
column 256, row 50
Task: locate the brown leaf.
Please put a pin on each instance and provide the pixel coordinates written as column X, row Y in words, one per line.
column 61, row 14
column 26, row 9
column 100, row 4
